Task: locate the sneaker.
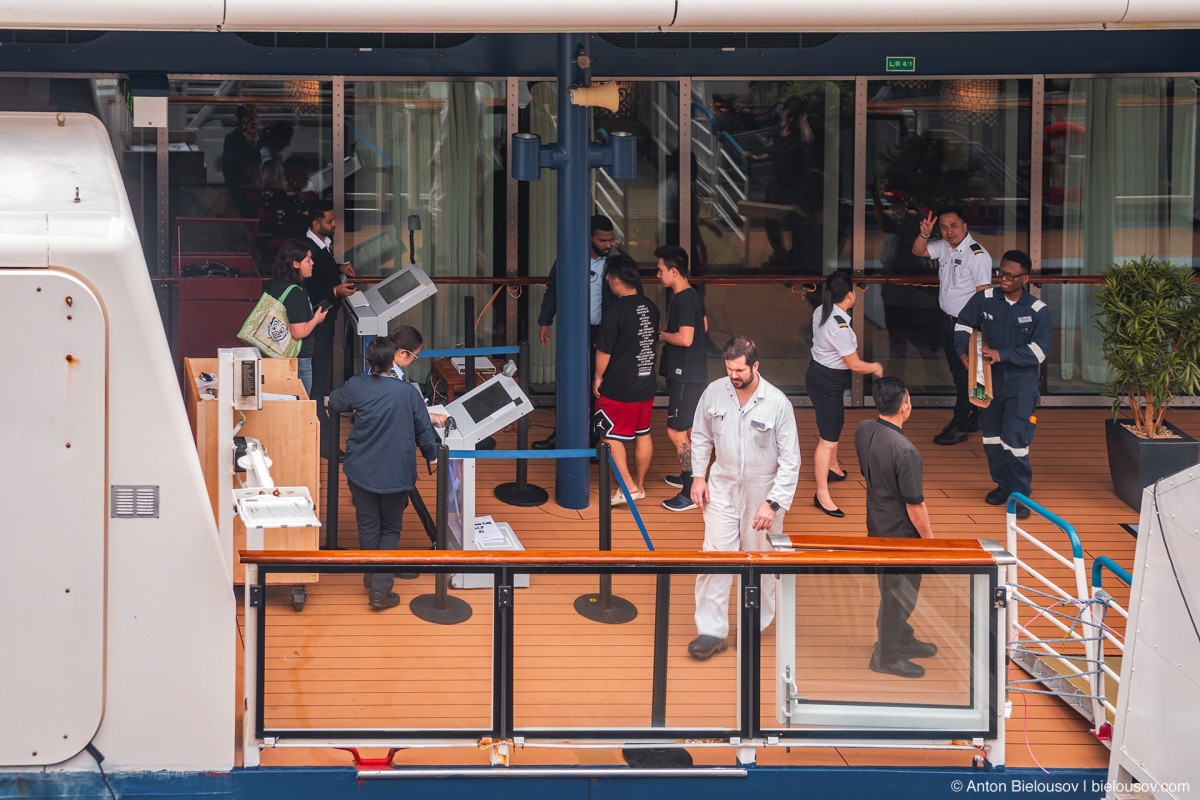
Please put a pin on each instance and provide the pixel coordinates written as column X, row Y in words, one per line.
column 996, row 497
column 381, row 600
column 680, row 502
column 674, row 480
column 618, row 499
column 703, row 648
column 950, row 435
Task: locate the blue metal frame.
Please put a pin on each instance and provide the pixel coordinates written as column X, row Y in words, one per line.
column 1104, row 562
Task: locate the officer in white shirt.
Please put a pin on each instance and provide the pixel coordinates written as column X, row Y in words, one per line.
column 750, row 428
column 964, row 268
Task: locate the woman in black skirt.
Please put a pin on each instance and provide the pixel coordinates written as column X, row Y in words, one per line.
column 834, row 357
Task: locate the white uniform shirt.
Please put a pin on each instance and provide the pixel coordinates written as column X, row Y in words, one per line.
column 833, row 340
column 961, row 271
column 756, row 446
column 596, row 288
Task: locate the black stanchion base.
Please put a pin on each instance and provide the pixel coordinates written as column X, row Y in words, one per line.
column 657, row 757
column 619, row 609
column 486, row 444
column 425, row 607
column 514, row 495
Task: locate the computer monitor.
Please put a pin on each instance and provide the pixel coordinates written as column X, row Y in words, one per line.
column 488, row 408
column 376, row 307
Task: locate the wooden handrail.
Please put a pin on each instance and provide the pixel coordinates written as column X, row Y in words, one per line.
column 873, row 552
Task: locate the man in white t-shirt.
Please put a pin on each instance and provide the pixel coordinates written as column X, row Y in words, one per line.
column 964, row 268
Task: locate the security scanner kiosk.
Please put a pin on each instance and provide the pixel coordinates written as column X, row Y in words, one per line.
column 373, row 309
column 473, row 417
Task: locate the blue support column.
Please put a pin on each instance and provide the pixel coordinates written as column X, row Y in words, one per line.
column 574, row 211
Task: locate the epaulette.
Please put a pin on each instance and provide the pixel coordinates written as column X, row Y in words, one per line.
column 976, row 247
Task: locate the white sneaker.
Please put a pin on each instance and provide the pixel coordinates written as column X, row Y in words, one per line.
column 618, row 499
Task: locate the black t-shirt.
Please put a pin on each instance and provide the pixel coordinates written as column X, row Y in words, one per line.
column 892, row 467
column 299, row 309
column 686, row 364
column 628, row 333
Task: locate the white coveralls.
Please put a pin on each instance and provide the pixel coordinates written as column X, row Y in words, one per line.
column 757, row 459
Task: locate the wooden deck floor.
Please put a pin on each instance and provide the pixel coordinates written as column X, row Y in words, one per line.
column 338, row 664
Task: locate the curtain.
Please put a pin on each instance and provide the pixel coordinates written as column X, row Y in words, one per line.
column 1135, row 169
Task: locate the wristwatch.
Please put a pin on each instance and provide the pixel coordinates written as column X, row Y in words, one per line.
column 774, row 506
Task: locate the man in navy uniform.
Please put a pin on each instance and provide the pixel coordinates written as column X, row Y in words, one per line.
column 1017, row 335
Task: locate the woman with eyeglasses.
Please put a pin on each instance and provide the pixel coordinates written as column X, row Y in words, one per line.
column 390, row 422
column 834, row 358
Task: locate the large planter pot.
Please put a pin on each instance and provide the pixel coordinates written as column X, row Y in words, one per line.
column 1135, row 463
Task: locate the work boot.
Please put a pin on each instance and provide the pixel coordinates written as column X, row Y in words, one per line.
column 996, row 497
column 549, row 443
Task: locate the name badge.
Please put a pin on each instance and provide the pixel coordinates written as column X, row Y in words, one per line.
column 1024, row 319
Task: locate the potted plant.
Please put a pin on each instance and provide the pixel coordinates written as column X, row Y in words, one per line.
column 1149, row 318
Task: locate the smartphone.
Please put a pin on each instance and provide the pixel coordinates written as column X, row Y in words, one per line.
column 325, row 305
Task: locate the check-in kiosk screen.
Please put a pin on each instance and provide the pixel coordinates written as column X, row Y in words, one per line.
column 487, row 402
column 402, row 284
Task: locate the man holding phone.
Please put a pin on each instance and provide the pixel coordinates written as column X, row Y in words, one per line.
column 328, row 285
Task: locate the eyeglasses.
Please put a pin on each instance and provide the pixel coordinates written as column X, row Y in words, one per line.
column 408, row 353
column 1011, row 276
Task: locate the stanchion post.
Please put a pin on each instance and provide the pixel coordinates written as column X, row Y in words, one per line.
column 469, row 341
column 441, row 607
column 604, row 606
column 520, row 493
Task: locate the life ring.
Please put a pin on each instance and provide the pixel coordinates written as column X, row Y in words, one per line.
column 1061, row 195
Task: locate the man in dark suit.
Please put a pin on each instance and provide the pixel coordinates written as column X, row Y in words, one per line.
column 329, row 281
column 600, row 295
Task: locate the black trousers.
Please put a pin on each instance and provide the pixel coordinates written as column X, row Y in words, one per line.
column 897, row 599
column 380, row 517
column 958, row 372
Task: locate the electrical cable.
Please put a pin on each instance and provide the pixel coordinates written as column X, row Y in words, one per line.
column 95, row 753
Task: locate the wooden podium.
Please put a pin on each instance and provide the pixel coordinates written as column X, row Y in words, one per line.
column 287, row 430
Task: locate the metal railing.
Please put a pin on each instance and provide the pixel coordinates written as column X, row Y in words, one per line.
column 498, row 724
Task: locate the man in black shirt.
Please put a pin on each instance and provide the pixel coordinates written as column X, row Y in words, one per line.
column 624, row 382
column 896, row 508
column 683, row 365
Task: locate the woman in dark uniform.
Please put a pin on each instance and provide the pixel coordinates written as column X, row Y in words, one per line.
column 390, row 421
column 834, row 357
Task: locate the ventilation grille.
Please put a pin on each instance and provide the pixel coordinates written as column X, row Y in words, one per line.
column 716, row 41
column 135, row 502
column 355, row 41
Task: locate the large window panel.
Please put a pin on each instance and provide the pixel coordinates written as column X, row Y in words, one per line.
column 931, row 143
column 430, row 154
column 1120, row 182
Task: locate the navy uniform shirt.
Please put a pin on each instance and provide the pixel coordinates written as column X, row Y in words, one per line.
column 1021, row 331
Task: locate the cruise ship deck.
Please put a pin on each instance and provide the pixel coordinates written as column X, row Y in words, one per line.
column 339, row 665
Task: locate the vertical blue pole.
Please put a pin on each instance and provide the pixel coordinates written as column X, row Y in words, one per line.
column 572, row 318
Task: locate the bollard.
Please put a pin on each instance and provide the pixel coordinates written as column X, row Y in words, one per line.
column 520, row 492
column 604, row 606
column 441, row 607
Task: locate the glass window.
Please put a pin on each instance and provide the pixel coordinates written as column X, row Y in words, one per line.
column 637, row 206
column 426, row 161
column 772, row 170
column 1120, row 182
column 931, row 143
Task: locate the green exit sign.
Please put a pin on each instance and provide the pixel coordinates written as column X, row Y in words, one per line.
column 901, row 63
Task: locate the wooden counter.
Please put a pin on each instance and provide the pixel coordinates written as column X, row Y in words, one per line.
column 288, row 431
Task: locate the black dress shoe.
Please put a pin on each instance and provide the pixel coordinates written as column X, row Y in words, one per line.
column 950, row 435
column 901, row 667
column 381, row 600
column 836, row 513
column 549, row 443
column 918, row 649
column 834, row 477
column 996, row 497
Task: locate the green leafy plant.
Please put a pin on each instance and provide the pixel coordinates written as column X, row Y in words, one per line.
column 1150, row 320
